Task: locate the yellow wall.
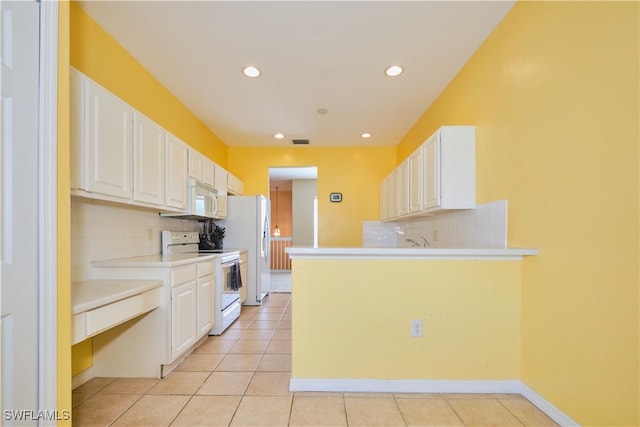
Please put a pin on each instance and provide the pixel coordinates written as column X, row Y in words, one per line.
column 354, row 172
column 352, row 319
column 554, row 95
column 63, row 218
column 99, row 56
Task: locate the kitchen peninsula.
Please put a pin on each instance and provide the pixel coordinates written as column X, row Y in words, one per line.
column 356, row 310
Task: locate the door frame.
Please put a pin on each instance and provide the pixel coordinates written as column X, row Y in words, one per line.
column 48, row 205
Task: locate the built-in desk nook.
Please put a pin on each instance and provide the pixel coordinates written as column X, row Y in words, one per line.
column 99, row 305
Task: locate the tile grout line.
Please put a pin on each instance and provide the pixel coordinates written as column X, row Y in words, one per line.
column 454, row 411
column 511, row 412
column 395, row 400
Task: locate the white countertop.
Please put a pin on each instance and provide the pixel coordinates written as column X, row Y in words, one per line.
column 409, row 253
column 90, row 294
column 160, row 260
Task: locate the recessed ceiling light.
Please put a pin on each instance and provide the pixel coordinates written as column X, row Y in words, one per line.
column 322, row 111
column 251, row 71
column 278, row 136
column 366, row 135
column 394, row 70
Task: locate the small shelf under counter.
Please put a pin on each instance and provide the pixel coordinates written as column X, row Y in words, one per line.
column 98, row 305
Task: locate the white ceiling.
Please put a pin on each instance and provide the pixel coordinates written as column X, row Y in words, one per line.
column 313, row 54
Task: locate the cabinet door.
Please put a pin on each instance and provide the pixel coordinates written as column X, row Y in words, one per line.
column 208, row 171
column 234, row 185
column 195, row 164
column 108, row 137
column 431, row 164
column 416, row 181
column 205, row 305
column 176, row 173
column 221, row 212
column 183, row 317
column 221, row 180
column 148, row 161
column 403, row 188
column 384, row 207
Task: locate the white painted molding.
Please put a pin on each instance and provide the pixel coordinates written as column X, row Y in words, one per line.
column 405, row 386
column 48, row 205
column 547, row 407
column 433, row 386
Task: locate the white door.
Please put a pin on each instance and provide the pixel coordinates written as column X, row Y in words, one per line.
column 19, row 208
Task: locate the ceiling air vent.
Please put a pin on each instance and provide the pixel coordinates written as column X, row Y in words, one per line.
column 300, row 141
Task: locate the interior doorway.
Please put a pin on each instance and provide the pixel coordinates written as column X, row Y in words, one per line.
column 294, row 217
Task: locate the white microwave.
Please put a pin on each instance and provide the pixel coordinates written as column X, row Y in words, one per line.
column 202, row 202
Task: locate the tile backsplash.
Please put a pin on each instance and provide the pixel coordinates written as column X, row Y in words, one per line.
column 482, row 227
column 102, row 230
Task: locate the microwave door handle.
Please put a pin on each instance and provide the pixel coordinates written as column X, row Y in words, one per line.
column 214, row 205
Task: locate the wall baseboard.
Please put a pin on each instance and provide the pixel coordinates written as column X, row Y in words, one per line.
column 405, row 386
column 547, row 407
column 81, row 378
column 433, row 386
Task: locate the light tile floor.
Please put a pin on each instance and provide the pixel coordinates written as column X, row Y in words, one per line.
column 241, row 379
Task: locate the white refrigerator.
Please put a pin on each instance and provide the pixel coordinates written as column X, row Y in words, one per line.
column 247, row 226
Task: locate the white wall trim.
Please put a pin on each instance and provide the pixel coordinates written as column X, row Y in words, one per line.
column 547, row 407
column 432, row 386
column 48, row 203
column 405, row 386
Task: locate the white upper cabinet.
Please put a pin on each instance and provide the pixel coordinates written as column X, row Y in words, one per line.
column 176, row 173
column 234, row 185
column 455, row 176
column 402, row 188
column 101, row 141
column 220, row 180
column 416, row 176
column 195, row 164
column 430, row 157
column 148, row 161
column 439, row 175
column 208, row 171
column 119, row 154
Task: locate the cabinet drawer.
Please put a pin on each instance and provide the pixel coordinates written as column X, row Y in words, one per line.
column 183, row 274
column 205, row 269
column 112, row 314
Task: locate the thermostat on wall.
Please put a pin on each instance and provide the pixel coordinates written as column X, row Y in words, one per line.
column 335, row 197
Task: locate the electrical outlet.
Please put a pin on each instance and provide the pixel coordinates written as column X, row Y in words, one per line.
column 435, row 235
column 149, row 234
column 416, row 328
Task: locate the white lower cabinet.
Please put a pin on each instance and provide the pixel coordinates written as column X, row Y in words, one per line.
column 206, row 283
column 183, row 317
column 154, row 344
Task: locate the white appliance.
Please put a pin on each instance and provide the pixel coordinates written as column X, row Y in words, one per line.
column 202, row 202
column 247, row 226
column 226, row 294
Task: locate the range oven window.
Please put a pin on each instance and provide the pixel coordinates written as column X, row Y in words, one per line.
column 232, row 278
